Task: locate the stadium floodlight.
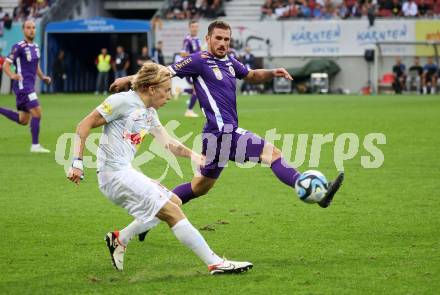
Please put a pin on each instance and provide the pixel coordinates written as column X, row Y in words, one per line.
column 378, row 54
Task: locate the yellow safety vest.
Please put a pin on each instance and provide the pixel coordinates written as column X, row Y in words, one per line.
column 104, row 63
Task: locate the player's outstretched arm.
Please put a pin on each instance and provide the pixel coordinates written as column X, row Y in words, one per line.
column 175, row 146
column 93, row 120
column 120, row 83
column 263, row 75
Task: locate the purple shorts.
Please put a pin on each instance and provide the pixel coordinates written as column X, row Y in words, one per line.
column 26, row 101
column 239, row 146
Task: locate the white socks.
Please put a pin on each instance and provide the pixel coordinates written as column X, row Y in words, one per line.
column 184, row 231
column 135, row 228
column 190, row 237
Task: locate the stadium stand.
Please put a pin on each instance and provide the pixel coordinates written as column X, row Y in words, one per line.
column 346, row 9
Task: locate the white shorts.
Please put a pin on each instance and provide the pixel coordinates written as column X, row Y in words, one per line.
column 141, row 196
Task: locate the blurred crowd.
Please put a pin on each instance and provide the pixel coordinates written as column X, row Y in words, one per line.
column 26, row 9
column 31, row 9
column 345, row 9
column 194, row 9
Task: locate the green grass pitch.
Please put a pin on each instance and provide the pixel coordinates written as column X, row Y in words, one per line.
column 380, row 236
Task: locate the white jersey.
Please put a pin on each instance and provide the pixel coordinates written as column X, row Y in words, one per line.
column 128, row 121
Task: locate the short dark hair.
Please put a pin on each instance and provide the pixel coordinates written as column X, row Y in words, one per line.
column 193, row 21
column 219, row 24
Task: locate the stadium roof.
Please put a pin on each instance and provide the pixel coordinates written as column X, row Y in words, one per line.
column 99, row 25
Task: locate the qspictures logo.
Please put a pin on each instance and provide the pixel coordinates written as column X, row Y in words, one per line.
column 296, row 149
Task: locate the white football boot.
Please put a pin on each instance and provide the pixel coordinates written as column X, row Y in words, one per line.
column 229, row 266
column 38, row 148
column 191, row 114
column 117, row 250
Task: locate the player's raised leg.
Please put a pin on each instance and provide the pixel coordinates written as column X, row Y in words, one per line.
column 10, row 114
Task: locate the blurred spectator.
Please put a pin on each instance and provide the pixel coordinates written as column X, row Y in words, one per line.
column 103, row 64
column 156, row 23
column 142, row 58
column 248, row 59
column 121, row 63
column 415, row 73
column 291, row 10
column 2, row 60
column 424, row 8
column 304, row 10
column 30, row 9
column 211, row 8
column 396, row 8
column 399, row 76
column 409, row 8
column 429, row 77
column 193, row 9
column 342, row 11
column 39, row 8
column 267, row 10
column 279, row 8
column 175, row 10
column 1, row 26
column 158, row 54
column 328, row 11
column 59, row 72
column 232, row 51
column 7, row 21
column 356, row 10
column 317, row 11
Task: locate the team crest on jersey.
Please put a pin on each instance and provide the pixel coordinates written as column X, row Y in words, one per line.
column 232, row 71
column 217, row 73
column 106, row 108
column 37, row 50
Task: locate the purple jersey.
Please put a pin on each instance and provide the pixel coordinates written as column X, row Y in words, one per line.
column 215, row 85
column 191, row 44
column 25, row 57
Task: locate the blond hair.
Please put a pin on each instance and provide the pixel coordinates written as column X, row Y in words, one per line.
column 150, row 74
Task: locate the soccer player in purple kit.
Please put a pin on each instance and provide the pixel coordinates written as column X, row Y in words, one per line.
column 191, row 45
column 214, row 74
column 25, row 56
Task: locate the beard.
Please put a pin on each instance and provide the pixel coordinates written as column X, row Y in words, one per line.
column 220, row 55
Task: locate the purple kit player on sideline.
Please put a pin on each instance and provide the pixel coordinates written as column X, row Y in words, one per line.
column 191, row 45
column 25, row 56
column 214, row 74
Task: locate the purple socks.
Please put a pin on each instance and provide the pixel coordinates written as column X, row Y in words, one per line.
column 184, row 192
column 285, row 172
column 192, row 102
column 11, row 115
column 35, row 129
column 35, row 123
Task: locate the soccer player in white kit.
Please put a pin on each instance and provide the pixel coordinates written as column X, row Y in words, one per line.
column 127, row 117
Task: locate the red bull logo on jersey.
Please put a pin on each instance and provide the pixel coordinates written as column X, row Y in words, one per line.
column 134, row 138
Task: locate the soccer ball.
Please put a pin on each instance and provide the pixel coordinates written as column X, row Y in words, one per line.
column 311, row 186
